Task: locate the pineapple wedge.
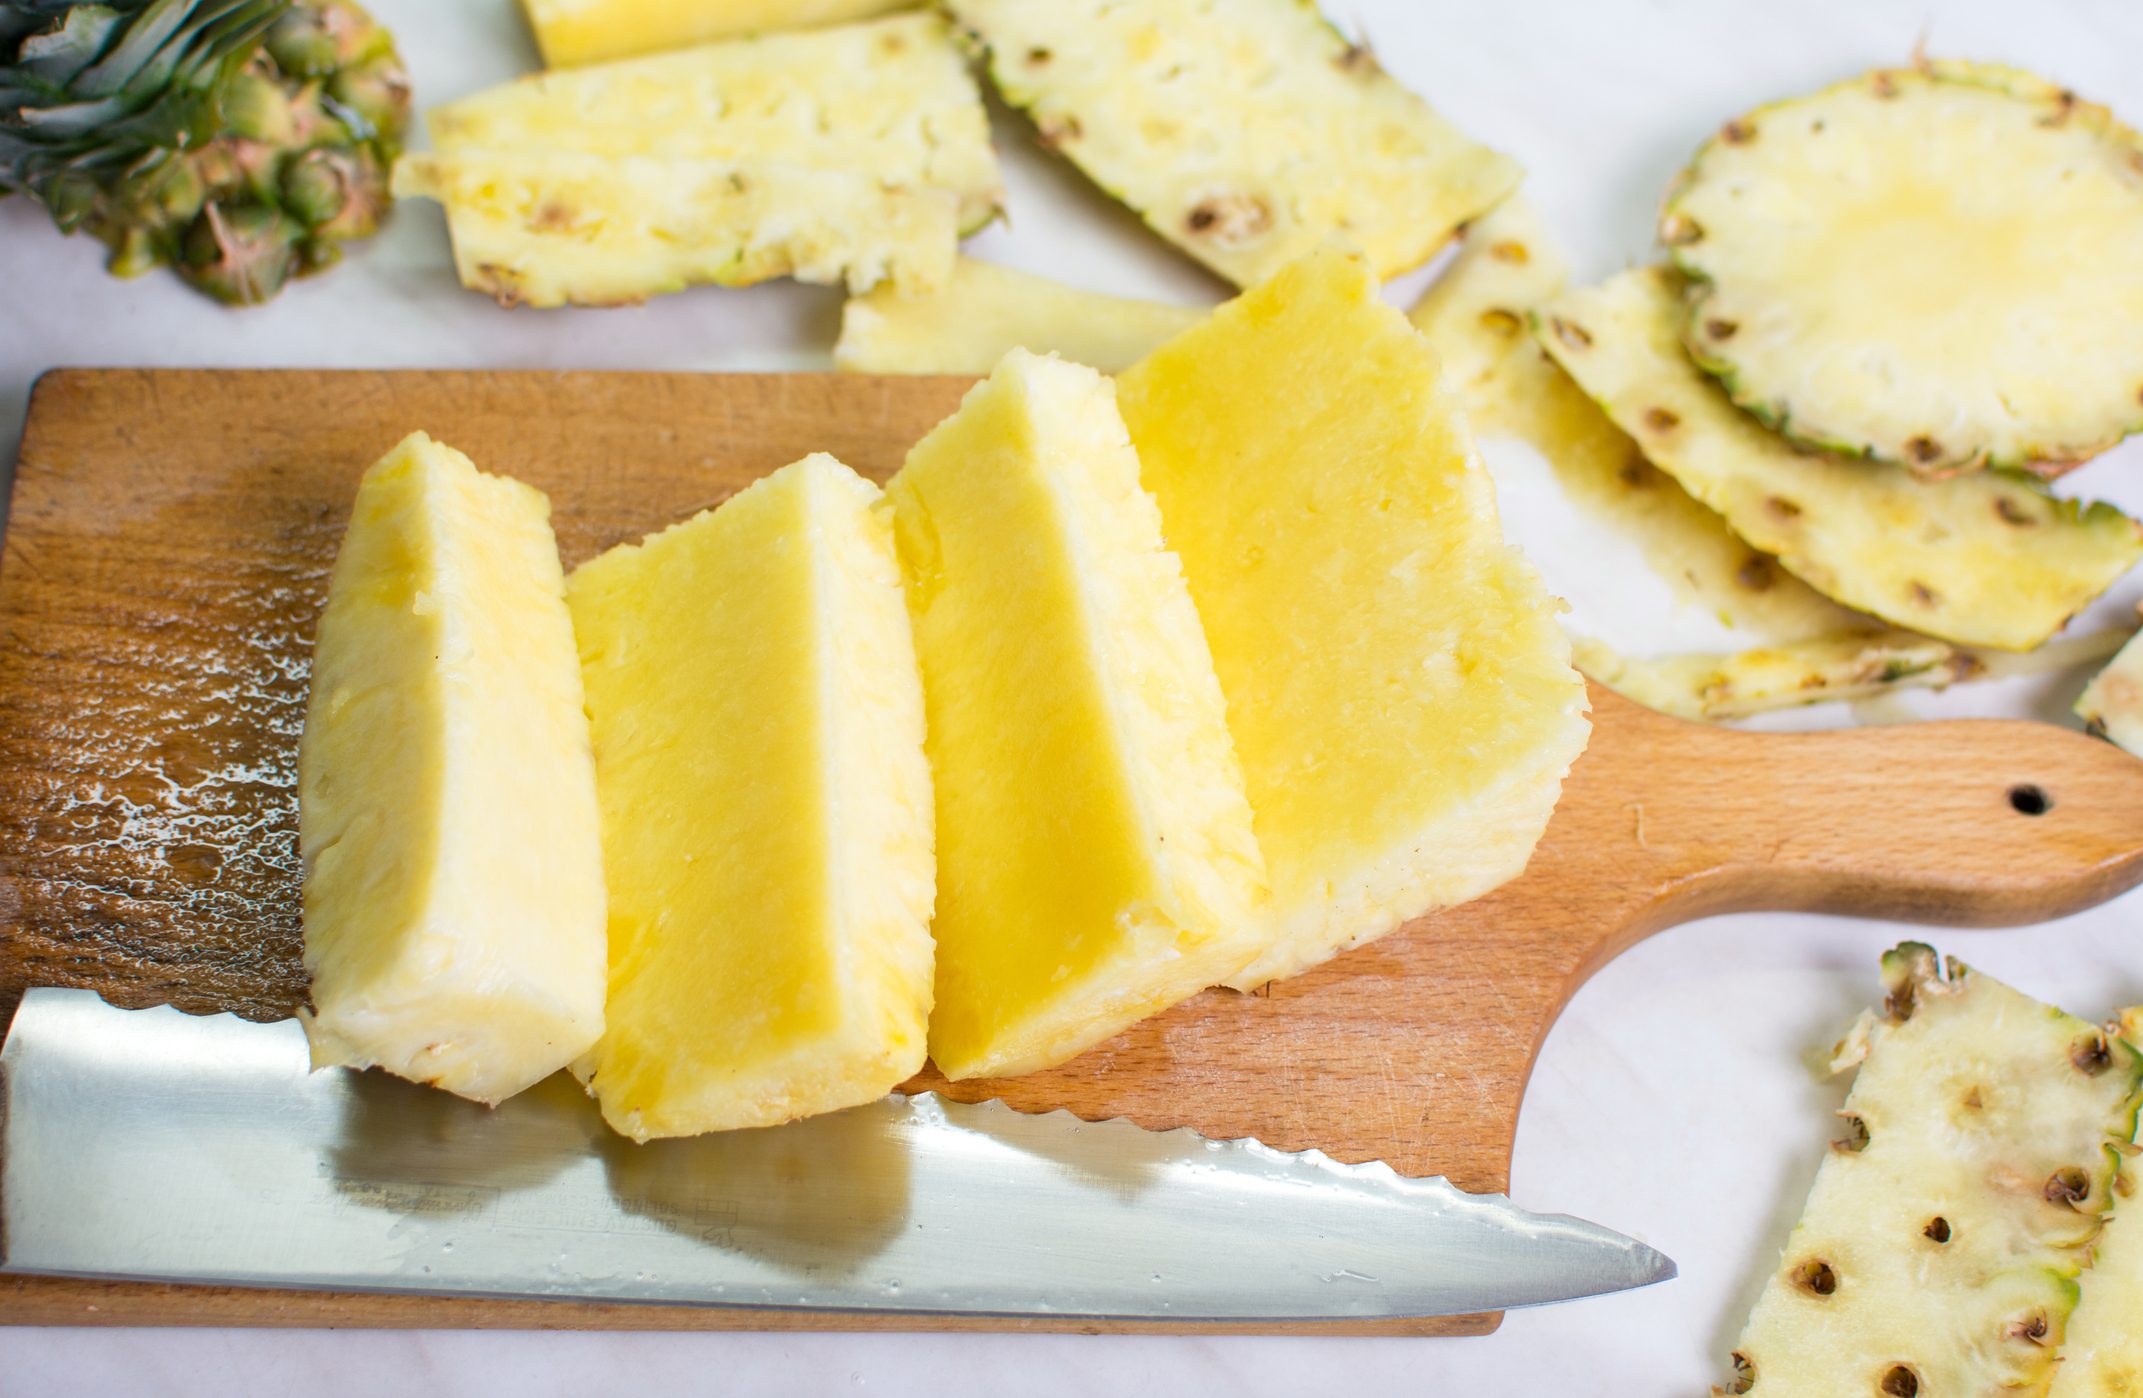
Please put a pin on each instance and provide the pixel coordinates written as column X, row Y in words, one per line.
column 574, row 32
column 1398, row 687
column 584, row 230
column 2112, row 704
column 446, row 797
column 984, row 311
column 758, row 724
column 1095, row 845
column 2102, row 1356
column 1987, row 559
column 828, row 155
column 1243, row 131
column 1936, row 266
column 1763, row 679
column 1939, row 1247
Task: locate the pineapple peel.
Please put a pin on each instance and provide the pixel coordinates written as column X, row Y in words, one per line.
column 1941, row 1243
column 1825, row 238
column 1987, row 559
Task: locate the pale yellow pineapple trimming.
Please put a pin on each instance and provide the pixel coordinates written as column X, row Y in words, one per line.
column 1096, row 861
column 2113, row 702
column 1935, row 266
column 1243, row 131
column 852, row 154
column 588, row 230
column 983, row 311
column 766, row 805
column 1803, row 648
column 1984, row 559
column 573, row 32
column 446, row 799
column 1398, row 686
column 2102, row 1354
column 1939, row 1248
column 1761, row 679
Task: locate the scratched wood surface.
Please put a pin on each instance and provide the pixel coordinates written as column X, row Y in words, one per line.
column 167, row 553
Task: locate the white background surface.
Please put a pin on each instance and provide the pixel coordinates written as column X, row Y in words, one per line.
column 1672, row 1101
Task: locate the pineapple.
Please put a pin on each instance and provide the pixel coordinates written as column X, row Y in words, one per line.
column 586, row 230
column 446, row 795
column 1242, row 131
column 573, row 32
column 983, row 311
column 2102, row 1356
column 242, row 142
column 766, row 806
column 1812, row 649
column 1939, row 1247
column 854, row 154
column 1397, row 684
column 1986, row 559
column 1764, row 678
column 2112, row 704
column 1097, row 862
column 1935, row 266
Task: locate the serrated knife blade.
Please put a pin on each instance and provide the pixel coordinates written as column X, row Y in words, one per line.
column 154, row 1145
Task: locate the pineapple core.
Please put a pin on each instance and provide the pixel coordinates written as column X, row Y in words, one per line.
column 572, row 32
column 1398, row 686
column 1096, row 857
column 446, row 797
column 766, row 810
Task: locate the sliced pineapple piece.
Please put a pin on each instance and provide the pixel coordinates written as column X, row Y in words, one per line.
column 984, row 311
column 1398, row 686
column 1095, row 845
column 585, row 230
column 1940, row 1244
column 2112, row 704
column 1242, row 131
column 446, row 797
column 2102, row 1354
column 1762, row 679
column 1936, row 266
column 574, row 32
column 758, row 725
column 1989, row 559
column 828, row 155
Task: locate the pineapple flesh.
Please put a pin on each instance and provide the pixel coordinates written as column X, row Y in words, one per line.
column 1242, row 131
column 857, row 154
column 1096, row 860
column 2112, row 704
column 1939, row 1248
column 983, row 312
column 1934, row 266
column 1398, row 686
column 2102, row 1355
column 766, row 809
column 1809, row 648
column 446, row 795
column 1987, row 559
column 575, row 32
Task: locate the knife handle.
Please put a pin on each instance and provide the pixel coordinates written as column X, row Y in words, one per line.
column 1961, row 822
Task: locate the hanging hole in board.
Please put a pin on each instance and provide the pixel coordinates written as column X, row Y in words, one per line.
column 2029, row 799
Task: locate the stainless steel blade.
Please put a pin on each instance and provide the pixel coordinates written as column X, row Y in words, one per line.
column 154, row 1145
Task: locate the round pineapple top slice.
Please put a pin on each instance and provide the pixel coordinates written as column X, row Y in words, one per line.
column 1939, row 266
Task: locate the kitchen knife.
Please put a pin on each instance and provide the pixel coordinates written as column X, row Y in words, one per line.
column 154, row 1145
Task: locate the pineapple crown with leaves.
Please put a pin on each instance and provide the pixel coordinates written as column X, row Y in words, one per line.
column 91, row 89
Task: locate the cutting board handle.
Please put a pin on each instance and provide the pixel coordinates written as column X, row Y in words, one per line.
column 1966, row 823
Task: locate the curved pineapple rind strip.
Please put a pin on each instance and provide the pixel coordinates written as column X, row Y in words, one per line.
column 2046, row 459
column 1688, row 428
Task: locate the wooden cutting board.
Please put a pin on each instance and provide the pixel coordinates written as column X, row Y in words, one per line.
column 167, row 554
